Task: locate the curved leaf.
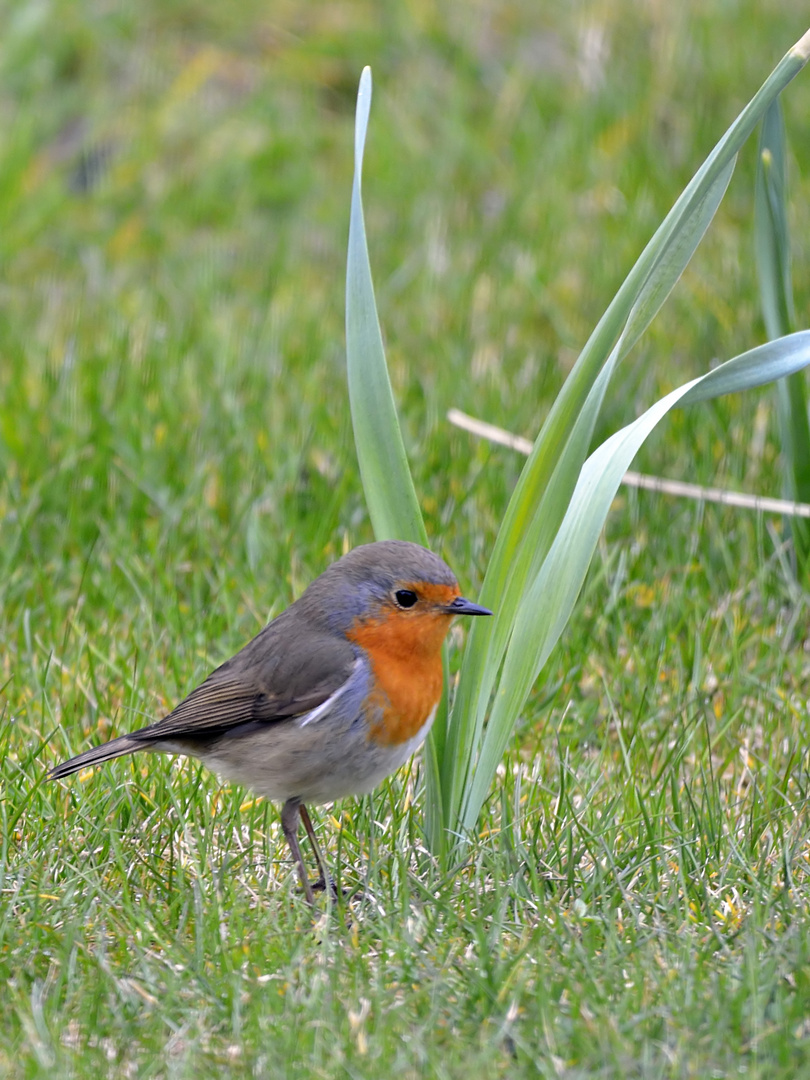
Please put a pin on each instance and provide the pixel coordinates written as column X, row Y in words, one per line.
column 547, row 480
column 549, row 601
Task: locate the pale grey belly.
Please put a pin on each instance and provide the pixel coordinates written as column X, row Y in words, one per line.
column 316, row 762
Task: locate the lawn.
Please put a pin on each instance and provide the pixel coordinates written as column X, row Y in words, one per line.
column 177, row 464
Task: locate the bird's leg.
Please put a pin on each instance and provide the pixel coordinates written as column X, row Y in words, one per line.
column 325, row 878
column 290, row 813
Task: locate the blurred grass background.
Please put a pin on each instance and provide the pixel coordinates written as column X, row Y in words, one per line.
column 176, row 464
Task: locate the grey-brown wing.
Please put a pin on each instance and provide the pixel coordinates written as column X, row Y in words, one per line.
column 274, row 677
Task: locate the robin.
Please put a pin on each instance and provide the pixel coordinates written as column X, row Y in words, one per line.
column 331, row 697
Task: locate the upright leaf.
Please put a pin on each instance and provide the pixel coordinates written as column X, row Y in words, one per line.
column 772, row 243
column 387, row 482
column 550, row 599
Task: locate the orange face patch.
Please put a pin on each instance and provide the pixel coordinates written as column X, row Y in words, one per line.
column 404, row 648
column 433, row 594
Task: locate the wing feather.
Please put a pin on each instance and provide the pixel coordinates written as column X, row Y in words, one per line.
column 268, row 681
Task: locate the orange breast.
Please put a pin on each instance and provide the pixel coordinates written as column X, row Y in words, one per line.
column 405, row 654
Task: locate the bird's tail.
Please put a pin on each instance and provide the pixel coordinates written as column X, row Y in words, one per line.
column 113, row 749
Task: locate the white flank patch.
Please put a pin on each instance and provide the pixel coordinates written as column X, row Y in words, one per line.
column 325, row 706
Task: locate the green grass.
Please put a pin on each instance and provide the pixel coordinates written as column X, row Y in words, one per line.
column 176, row 464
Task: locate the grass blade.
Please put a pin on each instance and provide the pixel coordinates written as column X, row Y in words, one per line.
column 770, row 226
column 772, row 244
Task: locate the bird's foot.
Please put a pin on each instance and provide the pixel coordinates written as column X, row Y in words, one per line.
column 337, row 894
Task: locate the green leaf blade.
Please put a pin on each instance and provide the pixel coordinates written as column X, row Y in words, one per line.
column 772, row 247
column 387, row 482
column 531, row 520
column 549, row 601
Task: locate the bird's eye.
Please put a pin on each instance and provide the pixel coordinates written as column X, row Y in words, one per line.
column 405, row 597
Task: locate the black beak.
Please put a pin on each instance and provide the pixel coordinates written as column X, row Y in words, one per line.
column 460, row 606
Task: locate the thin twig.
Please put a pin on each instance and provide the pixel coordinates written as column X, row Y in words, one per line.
column 640, row 480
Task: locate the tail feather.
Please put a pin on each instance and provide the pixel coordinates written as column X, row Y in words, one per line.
column 95, row 756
